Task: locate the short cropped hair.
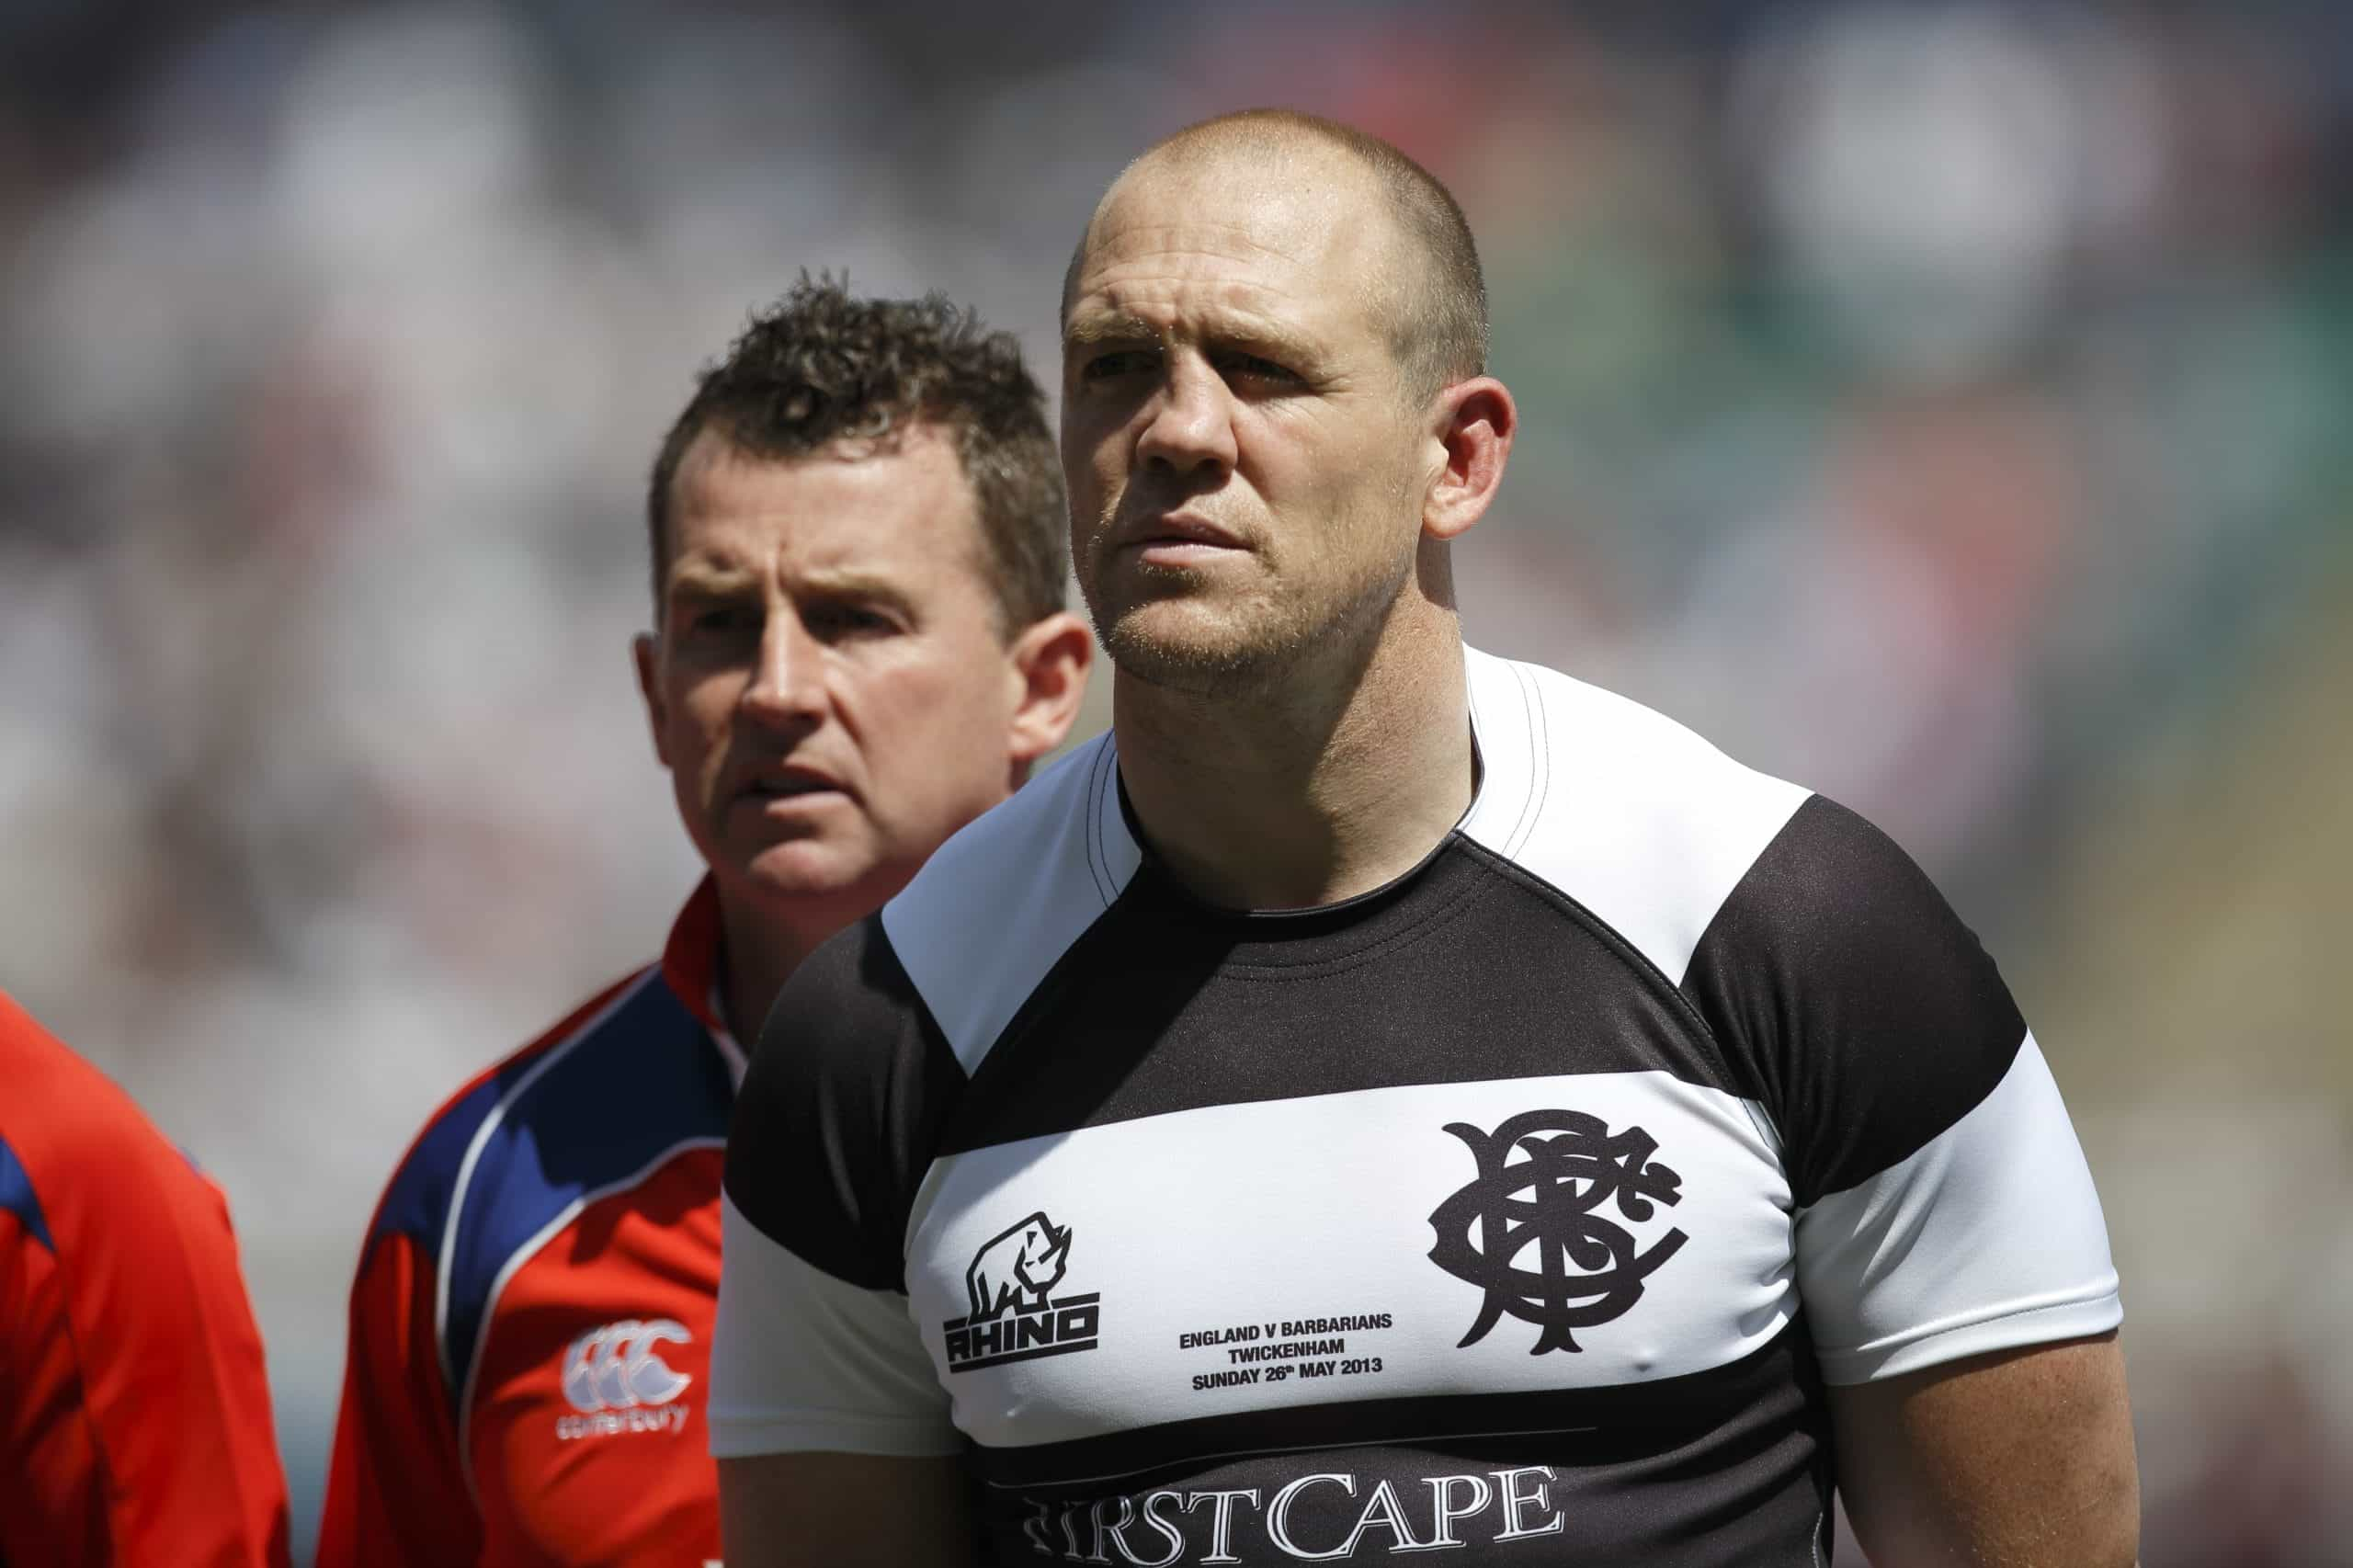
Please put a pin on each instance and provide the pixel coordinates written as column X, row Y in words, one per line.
column 820, row 367
column 1438, row 310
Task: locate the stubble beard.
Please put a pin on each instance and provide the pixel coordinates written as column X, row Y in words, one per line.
column 1260, row 645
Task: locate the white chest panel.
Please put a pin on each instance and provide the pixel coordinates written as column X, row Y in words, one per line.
column 1595, row 1229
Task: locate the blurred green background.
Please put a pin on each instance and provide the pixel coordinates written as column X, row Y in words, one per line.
column 1944, row 405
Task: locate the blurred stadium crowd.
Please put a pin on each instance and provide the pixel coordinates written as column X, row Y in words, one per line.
column 1946, row 405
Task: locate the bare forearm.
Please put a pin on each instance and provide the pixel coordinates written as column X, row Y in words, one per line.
column 2018, row 1459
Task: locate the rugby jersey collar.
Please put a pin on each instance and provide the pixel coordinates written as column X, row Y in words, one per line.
column 690, row 969
column 1506, row 786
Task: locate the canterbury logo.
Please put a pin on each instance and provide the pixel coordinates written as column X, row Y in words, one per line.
column 616, row 1366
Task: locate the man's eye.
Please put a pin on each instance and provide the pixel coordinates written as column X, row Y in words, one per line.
column 831, row 622
column 1118, row 362
column 723, row 620
column 1254, row 366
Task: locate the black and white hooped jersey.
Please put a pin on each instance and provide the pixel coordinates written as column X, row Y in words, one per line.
column 1519, row 1208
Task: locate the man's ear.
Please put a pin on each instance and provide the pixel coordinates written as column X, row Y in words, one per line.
column 647, row 655
column 1471, row 423
column 1048, row 662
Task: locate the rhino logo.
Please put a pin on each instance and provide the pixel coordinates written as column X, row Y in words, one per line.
column 1017, row 1268
column 1012, row 1317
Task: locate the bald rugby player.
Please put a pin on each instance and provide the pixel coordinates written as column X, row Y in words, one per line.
column 1384, row 1098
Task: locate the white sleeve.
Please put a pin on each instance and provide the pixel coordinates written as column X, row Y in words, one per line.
column 1988, row 1237
column 803, row 1361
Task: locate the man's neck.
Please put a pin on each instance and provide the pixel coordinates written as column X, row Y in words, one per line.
column 1313, row 793
column 758, row 950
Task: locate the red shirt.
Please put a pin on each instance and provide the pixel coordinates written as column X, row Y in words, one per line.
column 530, row 1325
column 134, row 1415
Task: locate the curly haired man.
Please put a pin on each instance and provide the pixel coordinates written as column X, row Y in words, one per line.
column 859, row 644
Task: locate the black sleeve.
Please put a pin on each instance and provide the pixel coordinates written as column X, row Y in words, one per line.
column 1870, row 1014
column 837, row 1116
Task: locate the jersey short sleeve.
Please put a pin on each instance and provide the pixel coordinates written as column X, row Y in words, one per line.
column 1944, row 1207
column 816, row 1348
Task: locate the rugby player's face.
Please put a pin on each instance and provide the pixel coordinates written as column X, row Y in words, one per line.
column 827, row 685
column 1240, row 457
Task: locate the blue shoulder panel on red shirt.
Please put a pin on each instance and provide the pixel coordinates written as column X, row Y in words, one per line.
column 17, row 1196
column 546, row 1135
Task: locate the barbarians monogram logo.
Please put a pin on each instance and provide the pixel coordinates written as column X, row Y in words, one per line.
column 1583, row 1269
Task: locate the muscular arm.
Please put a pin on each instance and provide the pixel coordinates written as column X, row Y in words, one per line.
column 843, row 1511
column 2020, row 1458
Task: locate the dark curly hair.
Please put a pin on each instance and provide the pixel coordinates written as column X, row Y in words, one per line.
column 819, row 367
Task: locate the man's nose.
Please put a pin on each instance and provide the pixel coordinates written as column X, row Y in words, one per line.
column 788, row 685
column 1188, row 427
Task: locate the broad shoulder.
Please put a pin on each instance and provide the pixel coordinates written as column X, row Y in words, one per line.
column 629, row 1049
column 73, row 1141
column 1618, row 806
column 998, row 905
column 1061, row 827
column 621, row 1087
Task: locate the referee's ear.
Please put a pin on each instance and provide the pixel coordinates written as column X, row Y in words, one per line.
column 646, row 653
column 1470, row 428
column 1048, row 662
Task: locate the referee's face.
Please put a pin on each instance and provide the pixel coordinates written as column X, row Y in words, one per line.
column 828, row 684
column 1240, row 456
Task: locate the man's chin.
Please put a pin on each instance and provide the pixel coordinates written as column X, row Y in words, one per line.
column 802, row 868
column 813, row 871
column 1206, row 653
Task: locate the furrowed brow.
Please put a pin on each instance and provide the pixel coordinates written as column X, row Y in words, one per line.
column 859, row 587
column 694, row 579
column 1270, row 341
column 1108, row 327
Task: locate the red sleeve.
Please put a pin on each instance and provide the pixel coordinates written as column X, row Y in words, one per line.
column 52, row 1496
column 136, row 1426
column 396, row 1488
